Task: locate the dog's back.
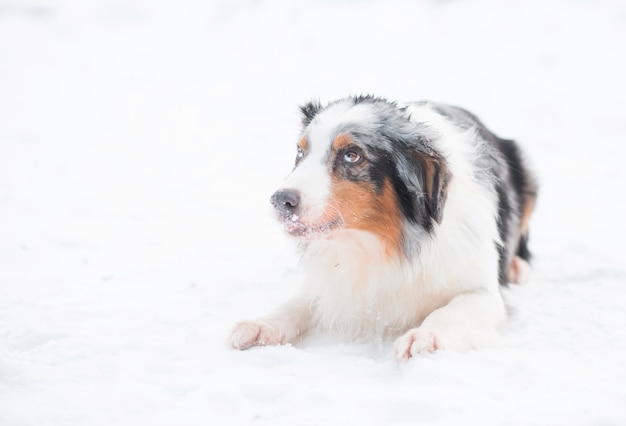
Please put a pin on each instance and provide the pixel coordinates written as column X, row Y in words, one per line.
column 516, row 187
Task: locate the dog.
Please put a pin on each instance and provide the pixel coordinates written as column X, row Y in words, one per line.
column 409, row 219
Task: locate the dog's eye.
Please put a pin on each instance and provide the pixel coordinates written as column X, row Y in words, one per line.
column 300, row 154
column 351, row 157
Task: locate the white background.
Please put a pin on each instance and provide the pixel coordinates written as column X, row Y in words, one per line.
column 140, row 142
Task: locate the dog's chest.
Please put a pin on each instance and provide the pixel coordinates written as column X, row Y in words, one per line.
column 357, row 292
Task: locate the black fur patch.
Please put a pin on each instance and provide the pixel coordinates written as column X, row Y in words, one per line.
column 505, row 212
column 309, row 111
column 512, row 183
column 410, row 205
column 521, row 184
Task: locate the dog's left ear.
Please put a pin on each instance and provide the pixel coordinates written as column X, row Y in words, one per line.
column 436, row 176
column 423, row 171
column 309, row 111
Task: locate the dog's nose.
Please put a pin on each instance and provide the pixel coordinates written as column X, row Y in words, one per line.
column 286, row 201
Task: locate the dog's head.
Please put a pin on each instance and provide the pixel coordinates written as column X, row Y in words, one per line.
column 363, row 164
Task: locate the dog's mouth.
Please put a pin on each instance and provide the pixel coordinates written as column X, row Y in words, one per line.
column 299, row 229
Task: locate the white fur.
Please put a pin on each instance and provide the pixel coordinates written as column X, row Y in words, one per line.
column 446, row 297
column 312, row 181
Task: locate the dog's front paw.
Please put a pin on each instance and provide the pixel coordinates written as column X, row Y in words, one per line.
column 247, row 334
column 414, row 342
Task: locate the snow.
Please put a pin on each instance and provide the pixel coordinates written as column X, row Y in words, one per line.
column 140, row 142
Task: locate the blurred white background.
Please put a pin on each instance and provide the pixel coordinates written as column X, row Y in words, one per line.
column 139, row 144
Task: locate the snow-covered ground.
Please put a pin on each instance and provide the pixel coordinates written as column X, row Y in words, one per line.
column 140, row 141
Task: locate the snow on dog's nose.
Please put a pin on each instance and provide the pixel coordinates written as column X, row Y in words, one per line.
column 286, row 202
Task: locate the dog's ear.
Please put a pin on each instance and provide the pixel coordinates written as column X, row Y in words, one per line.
column 309, row 111
column 423, row 172
column 436, row 177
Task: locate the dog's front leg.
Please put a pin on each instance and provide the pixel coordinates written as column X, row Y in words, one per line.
column 282, row 326
column 469, row 321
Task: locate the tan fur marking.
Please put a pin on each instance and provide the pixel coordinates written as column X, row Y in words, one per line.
column 518, row 268
column 361, row 207
column 529, row 199
column 519, row 271
column 303, row 144
column 429, row 171
column 528, row 206
column 342, row 141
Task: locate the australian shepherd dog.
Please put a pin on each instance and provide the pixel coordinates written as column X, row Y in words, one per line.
column 409, row 218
